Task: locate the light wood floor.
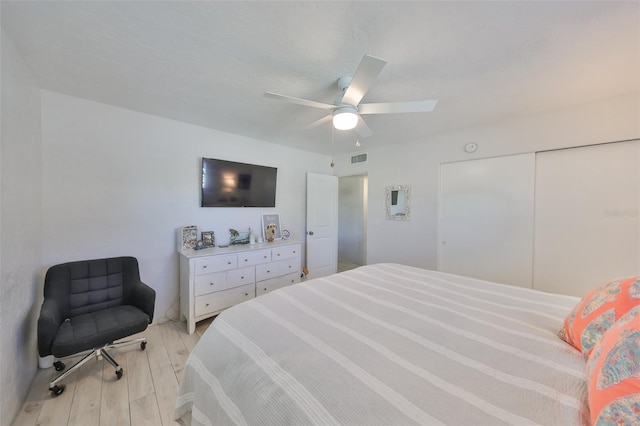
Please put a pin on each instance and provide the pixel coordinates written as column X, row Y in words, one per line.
column 143, row 396
column 344, row 265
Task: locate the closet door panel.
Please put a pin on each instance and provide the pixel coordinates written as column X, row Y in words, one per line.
column 486, row 219
column 587, row 221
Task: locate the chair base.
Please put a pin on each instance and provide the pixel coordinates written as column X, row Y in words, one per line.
column 56, row 389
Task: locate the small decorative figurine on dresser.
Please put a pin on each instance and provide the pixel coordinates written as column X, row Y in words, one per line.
column 270, row 232
column 271, row 227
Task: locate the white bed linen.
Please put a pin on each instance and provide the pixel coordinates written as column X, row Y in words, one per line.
column 387, row 344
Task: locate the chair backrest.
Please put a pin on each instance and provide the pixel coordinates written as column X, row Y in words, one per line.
column 91, row 285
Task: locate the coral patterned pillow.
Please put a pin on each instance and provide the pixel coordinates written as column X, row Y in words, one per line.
column 613, row 374
column 598, row 311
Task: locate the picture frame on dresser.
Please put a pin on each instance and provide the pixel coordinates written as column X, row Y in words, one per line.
column 271, row 227
column 208, row 239
column 187, row 237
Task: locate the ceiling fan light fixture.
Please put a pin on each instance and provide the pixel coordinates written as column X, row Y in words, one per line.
column 345, row 118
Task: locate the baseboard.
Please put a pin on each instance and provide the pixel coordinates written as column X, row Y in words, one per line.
column 160, row 320
column 45, row 362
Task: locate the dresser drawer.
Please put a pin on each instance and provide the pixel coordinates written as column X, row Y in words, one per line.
column 254, row 257
column 275, row 283
column 285, row 252
column 266, row 271
column 242, row 276
column 208, row 283
column 207, row 265
column 223, row 299
column 288, row 266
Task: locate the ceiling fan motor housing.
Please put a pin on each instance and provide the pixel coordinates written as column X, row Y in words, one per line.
column 344, row 82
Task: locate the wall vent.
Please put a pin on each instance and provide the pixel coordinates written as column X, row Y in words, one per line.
column 359, row 158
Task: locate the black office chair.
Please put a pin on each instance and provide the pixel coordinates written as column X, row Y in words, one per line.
column 87, row 306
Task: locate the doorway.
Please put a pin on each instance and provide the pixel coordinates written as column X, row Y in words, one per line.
column 352, row 221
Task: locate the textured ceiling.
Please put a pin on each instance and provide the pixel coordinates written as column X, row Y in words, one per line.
column 209, row 63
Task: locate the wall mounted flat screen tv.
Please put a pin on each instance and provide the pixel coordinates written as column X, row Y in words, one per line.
column 231, row 184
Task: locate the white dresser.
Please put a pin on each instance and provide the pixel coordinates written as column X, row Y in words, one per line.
column 214, row 279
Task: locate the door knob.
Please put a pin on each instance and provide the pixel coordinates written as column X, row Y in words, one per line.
column 310, row 232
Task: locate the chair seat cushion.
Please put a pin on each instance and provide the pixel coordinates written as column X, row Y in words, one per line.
column 95, row 329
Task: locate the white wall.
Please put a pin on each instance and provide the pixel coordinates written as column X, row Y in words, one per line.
column 417, row 164
column 20, row 228
column 118, row 182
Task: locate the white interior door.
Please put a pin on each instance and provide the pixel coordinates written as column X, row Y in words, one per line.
column 587, row 217
column 486, row 219
column 322, row 225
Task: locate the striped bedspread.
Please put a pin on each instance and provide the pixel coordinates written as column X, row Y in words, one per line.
column 387, row 344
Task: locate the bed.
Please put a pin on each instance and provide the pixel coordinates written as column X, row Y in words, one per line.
column 388, row 344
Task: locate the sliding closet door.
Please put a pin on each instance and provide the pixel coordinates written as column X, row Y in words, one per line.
column 486, row 219
column 587, row 223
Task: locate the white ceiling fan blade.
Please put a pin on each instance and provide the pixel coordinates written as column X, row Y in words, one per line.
column 362, row 129
column 364, row 76
column 397, row 107
column 298, row 101
column 316, row 123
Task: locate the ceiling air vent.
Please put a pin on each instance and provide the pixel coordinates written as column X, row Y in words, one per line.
column 359, row 158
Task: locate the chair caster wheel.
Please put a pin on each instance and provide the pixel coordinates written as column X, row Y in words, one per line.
column 143, row 345
column 57, row 390
column 59, row 365
column 119, row 372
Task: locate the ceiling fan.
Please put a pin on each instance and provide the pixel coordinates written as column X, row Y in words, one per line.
column 346, row 112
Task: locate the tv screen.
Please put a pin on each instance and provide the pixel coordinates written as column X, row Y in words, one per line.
column 231, row 184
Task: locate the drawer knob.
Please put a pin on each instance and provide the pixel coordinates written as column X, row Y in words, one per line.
column 289, row 266
column 246, row 294
column 242, row 278
column 265, row 289
column 228, row 263
column 204, row 267
column 246, row 260
column 268, row 272
column 210, row 283
column 265, row 257
column 207, row 304
column 278, row 254
column 294, row 252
